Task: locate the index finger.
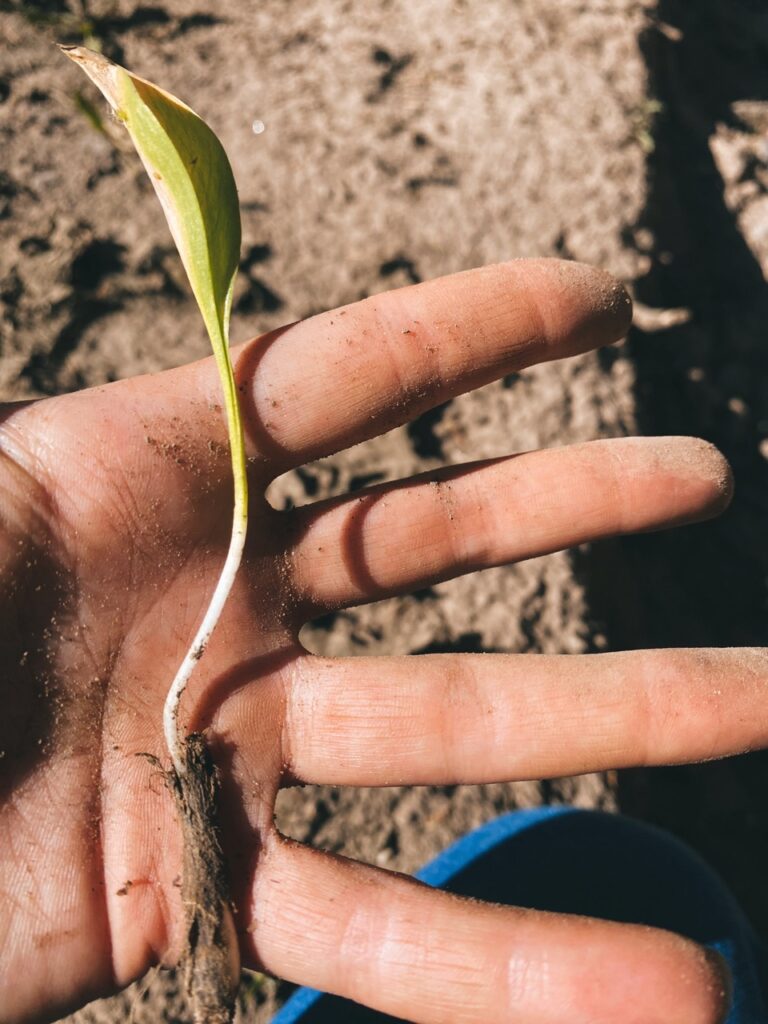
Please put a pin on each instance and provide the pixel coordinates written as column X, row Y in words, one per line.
column 342, row 377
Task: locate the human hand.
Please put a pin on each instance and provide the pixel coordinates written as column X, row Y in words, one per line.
column 115, row 508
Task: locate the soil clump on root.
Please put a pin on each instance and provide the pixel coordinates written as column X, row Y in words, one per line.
column 210, row 961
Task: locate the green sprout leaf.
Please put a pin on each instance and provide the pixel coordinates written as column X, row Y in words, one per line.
column 194, row 182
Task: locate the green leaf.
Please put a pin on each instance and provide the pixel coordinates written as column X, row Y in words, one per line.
column 194, row 182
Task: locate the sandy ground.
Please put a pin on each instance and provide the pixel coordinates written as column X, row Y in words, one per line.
column 404, row 141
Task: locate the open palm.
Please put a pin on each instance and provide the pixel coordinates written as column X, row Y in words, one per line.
column 114, row 519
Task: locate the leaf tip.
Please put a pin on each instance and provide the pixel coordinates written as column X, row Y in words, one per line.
column 101, row 70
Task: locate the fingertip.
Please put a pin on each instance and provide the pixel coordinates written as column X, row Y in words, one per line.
column 719, row 984
column 581, row 307
column 678, row 480
column 704, row 468
column 607, row 303
column 709, row 977
column 716, row 471
column 680, row 980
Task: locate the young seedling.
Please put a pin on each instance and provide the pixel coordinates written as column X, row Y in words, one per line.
column 193, row 180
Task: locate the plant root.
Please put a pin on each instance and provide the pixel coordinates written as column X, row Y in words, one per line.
column 210, row 962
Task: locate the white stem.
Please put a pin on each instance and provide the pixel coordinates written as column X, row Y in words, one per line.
column 200, row 642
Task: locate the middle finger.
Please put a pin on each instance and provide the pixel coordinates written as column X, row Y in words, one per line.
column 448, row 719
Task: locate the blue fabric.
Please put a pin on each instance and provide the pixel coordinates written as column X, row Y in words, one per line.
column 584, row 862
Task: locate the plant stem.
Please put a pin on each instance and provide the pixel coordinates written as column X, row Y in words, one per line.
column 200, row 642
column 234, row 555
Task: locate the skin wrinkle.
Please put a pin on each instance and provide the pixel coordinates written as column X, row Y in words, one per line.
column 313, row 915
column 478, row 325
column 19, row 839
column 52, row 826
column 479, row 540
column 654, row 707
column 540, row 330
column 465, row 696
column 452, row 528
column 472, row 701
column 351, row 730
column 550, row 503
column 167, row 942
column 428, row 949
column 615, row 744
column 651, row 707
column 516, row 353
column 447, row 725
column 31, row 540
column 418, row 373
column 68, row 514
column 25, row 455
column 581, row 711
column 546, row 310
column 487, row 525
column 360, row 950
column 149, row 897
column 358, row 520
column 534, row 714
column 170, row 582
column 130, row 514
column 617, row 498
column 630, row 723
column 719, row 706
column 298, row 705
column 715, row 728
column 31, row 521
column 354, row 396
column 468, row 335
column 403, row 944
column 77, row 520
column 528, row 980
column 101, row 792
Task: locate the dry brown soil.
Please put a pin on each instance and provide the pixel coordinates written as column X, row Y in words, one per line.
column 404, row 141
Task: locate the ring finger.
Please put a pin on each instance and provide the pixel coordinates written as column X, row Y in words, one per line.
column 400, row 537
